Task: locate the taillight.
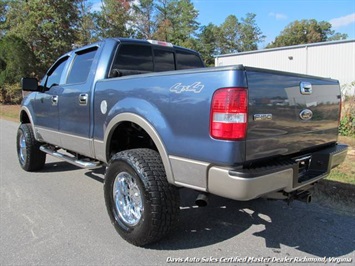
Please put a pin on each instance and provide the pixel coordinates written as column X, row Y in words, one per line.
column 229, row 112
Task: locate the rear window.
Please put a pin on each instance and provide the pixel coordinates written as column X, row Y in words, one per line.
column 186, row 60
column 134, row 57
column 164, row 60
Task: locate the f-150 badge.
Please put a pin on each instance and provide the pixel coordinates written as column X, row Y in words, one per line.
column 196, row 87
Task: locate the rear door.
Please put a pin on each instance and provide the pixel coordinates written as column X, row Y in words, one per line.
column 289, row 113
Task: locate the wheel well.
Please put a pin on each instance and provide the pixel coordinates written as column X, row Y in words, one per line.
column 24, row 118
column 128, row 135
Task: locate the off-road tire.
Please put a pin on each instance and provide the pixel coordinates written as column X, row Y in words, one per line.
column 158, row 199
column 28, row 152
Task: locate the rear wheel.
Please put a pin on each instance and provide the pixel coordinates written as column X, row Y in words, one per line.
column 142, row 205
column 28, row 152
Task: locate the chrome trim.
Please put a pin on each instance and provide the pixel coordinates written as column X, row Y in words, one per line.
column 72, row 160
column 83, row 99
column 128, row 199
column 151, row 132
column 262, row 117
column 55, row 100
column 22, row 149
column 189, row 173
column 306, row 114
column 306, row 88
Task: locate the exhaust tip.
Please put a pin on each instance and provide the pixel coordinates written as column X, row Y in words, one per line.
column 305, row 197
column 201, row 200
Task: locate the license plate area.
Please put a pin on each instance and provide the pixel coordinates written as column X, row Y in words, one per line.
column 310, row 167
column 303, row 166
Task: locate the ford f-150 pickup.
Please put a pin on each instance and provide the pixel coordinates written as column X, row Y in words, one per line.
column 159, row 120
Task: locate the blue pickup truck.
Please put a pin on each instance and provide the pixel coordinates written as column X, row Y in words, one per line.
column 158, row 120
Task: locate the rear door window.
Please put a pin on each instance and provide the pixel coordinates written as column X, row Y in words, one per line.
column 81, row 66
column 163, row 60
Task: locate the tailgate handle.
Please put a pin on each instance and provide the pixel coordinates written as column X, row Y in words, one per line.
column 306, row 88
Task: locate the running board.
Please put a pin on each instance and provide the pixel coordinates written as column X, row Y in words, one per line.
column 72, row 160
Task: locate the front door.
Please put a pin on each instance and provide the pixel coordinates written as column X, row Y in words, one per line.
column 75, row 102
column 46, row 121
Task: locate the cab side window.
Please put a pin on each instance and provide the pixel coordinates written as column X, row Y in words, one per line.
column 81, row 66
column 55, row 74
column 133, row 59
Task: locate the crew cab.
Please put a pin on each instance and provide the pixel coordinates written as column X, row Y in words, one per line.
column 158, row 120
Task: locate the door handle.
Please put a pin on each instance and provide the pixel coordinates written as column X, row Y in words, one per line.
column 55, row 100
column 83, row 99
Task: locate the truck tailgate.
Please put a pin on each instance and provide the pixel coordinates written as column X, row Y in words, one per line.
column 289, row 113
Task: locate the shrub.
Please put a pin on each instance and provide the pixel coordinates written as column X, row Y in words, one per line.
column 347, row 121
column 10, row 94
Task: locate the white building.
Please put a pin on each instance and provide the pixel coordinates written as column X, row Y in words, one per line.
column 327, row 59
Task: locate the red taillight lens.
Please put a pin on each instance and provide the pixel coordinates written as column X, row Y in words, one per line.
column 229, row 111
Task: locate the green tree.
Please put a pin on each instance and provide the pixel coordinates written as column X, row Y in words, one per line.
column 207, row 45
column 176, row 22
column 250, row 34
column 47, row 26
column 144, row 22
column 86, row 31
column 306, row 31
column 164, row 24
column 114, row 20
column 16, row 61
column 229, row 35
column 337, row 36
column 3, row 7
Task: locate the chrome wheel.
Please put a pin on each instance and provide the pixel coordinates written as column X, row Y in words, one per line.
column 22, row 148
column 142, row 205
column 127, row 198
column 29, row 155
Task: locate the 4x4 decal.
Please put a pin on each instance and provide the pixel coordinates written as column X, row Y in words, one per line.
column 196, row 87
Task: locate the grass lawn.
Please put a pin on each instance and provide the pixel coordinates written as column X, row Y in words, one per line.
column 345, row 173
column 9, row 112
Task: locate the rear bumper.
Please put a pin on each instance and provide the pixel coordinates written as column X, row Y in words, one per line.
column 286, row 176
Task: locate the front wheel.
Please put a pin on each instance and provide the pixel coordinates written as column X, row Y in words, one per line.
column 142, row 205
column 28, row 152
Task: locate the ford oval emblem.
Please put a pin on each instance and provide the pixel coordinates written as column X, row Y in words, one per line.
column 306, row 114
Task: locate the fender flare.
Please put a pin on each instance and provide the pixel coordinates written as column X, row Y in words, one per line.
column 144, row 124
column 24, row 109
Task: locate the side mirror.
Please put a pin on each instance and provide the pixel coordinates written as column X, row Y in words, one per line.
column 30, row 84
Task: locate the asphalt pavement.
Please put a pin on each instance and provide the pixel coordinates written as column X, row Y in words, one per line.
column 58, row 217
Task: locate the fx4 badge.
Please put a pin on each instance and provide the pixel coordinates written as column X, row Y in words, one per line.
column 196, row 87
